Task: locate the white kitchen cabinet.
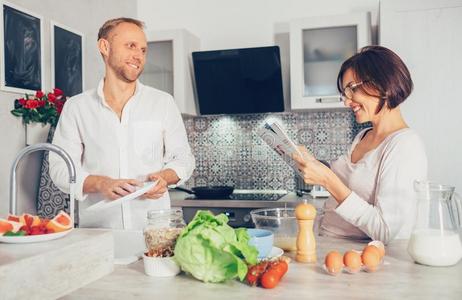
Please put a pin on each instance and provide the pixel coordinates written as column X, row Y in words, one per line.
column 427, row 35
column 318, row 47
column 169, row 68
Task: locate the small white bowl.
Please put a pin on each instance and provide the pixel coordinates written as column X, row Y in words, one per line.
column 160, row 266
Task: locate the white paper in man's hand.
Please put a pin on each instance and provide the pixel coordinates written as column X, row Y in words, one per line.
column 104, row 204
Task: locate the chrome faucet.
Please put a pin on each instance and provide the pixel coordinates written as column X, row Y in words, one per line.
column 38, row 147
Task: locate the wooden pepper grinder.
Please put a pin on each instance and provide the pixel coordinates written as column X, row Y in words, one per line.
column 306, row 244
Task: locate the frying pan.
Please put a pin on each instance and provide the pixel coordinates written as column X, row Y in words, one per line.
column 209, row 192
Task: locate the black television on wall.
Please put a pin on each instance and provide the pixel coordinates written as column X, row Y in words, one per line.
column 239, row 81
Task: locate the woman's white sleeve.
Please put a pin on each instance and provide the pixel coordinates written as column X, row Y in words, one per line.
column 401, row 164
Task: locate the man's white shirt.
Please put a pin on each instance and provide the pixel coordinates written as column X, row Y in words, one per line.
column 150, row 136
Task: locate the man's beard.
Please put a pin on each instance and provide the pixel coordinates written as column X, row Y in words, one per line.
column 122, row 73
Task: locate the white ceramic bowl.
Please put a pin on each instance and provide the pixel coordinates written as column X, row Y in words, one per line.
column 160, row 266
column 262, row 239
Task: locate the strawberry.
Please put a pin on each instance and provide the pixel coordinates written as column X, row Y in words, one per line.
column 29, row 220
column 35, row 231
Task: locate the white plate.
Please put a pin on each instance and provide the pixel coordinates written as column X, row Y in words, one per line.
column 275, row 252
column 33, row 238
column 104, row 204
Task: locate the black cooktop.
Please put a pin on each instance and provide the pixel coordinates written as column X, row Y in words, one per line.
column 246, row 197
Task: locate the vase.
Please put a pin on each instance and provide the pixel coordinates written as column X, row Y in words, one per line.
column 36, row 133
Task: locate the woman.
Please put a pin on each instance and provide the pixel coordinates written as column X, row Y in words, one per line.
column 372, row 184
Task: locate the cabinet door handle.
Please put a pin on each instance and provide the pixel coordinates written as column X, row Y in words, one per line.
column 329, row 100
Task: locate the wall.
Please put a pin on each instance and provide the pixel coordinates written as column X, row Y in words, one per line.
column 85, row 16
column 227, row 149
column 243, row 23
column 431, row 45
column 432, row 109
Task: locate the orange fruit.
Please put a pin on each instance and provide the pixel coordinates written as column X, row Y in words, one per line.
column 35, row 219
column 61, row 222
column 5, row 226
column 14, row 218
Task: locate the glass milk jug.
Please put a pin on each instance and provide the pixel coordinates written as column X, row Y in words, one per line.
column 435, row 240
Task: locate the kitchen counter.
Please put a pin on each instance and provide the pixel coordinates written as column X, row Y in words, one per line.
column 51, row 269
column 398, row 278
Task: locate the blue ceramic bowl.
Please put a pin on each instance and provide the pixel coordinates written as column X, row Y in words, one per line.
column 262, row 239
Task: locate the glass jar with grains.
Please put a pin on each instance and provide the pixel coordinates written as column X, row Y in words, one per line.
column 162, row 230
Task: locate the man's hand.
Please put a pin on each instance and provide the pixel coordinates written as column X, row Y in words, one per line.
column 159, row 189
column 110, row 188
column 116, row 188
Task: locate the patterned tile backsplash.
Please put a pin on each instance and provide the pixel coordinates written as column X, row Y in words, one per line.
column 229, row 152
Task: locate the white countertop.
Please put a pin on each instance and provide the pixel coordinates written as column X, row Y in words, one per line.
column 51, row 269
column 398, row 278
column 12, row 253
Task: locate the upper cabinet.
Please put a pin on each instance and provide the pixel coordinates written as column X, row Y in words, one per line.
column 318, row 47
column 168, row 66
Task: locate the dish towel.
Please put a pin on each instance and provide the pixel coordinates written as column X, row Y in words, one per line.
column 50, row 200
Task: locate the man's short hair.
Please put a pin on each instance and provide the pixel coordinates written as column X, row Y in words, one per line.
column 109, row 25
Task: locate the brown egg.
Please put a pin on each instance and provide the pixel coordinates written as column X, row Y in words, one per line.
column 373, row 249
column 352, row 261
column 334, row 262
column 379, row 246
column 370, row 258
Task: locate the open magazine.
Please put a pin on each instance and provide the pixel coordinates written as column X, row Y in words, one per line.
column 280, row 142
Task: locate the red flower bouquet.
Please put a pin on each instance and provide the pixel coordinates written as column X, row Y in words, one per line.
column 41, row 108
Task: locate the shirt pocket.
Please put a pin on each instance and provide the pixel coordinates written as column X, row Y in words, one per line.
column 147, row 140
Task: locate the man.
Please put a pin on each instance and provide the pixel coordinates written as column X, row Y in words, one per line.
column 121, row 134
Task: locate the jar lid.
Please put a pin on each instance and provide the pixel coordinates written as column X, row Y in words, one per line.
column 152, row 214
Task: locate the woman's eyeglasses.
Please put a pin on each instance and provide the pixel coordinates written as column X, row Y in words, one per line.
column 349, row 90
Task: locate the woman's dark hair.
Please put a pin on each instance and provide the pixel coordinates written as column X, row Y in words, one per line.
column 382, row 72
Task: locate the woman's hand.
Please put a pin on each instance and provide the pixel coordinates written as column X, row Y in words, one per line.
column 313, row 171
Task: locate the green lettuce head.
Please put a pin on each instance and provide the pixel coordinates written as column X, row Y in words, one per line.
column 212, row 251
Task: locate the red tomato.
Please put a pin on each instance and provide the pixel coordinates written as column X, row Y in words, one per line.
column 280, row 268
column 252, row 275
column 270, row 279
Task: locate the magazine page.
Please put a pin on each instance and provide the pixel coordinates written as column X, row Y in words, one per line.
column 273, row 134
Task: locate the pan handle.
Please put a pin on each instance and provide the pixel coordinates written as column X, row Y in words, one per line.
column 184, row 190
